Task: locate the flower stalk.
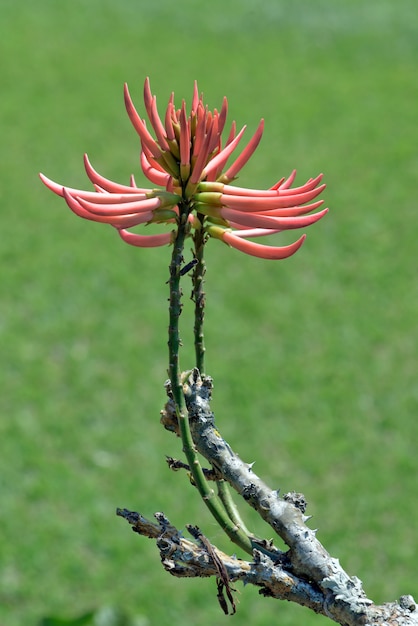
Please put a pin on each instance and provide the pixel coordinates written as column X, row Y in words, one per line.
column 214, row 503
column 199, row 296
column 185, row 156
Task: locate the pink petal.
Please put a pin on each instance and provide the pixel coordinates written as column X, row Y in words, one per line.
column 195, row 99
column 58, row 189
column 310, row 184
column 126, row 221
column 214, row 135
column 154, row 172
column 145, row 241
column 122, row 208
column 272, row 192
column 209, row 119
column 294, row 211
column 107, row 184
column 140, row 126
column 184, row 137
column 286, row 184
column 221, row 158
column 201, row 158
column 253, row 232
column 231, row 133
column 102, row 197
column 277, row 185
column 222, row 115
column 168, row 122
column 158, row 126
column 256, row 220
column 239, row 163
column 263, row 203
column 200, row 132
column 262, row 251
column 147, row 97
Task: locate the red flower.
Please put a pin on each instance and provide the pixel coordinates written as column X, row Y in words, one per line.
column 187, row 157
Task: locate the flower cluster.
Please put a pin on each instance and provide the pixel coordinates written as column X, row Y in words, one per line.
column 186, row 159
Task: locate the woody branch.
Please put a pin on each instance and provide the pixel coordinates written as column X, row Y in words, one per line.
column 305, row 574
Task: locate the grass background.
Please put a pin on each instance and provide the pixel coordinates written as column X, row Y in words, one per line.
column 314, row 359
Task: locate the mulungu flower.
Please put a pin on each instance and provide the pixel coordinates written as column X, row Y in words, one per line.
column 186, row 158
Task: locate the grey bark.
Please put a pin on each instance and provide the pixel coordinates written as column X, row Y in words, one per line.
column 305, row 573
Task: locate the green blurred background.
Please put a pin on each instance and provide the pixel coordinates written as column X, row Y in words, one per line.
column 314, row 359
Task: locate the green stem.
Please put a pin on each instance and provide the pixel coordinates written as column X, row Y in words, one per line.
column 175, row 310
column 198, row 297
column 224, row 494
column 234, row 532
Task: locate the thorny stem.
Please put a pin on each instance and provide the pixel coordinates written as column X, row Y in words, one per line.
column 174, row 341
column 198, row 297
column 212, row 501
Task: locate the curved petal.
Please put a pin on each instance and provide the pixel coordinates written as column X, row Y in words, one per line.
column 279, row 182
column 145, row 241
column 248, row 151
column 273, row 192
column 201, row 158
column 124, row 221
column 289, row 181
column 310, row 184
column 155, row 175
column 257, row 220
column 59, row 189
column 184, row 137
column 195, row 99
column 254, row 232
column 158, row 126
column 221, row 158
column 266, row 203
column 200, row 132
column 107, row 184
column 294, row 210
column 103, row 197
column 147, row 96
column 261, row 251
column 223, row 115
column 123, row 208
column 168, row 120
column 139, row 125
